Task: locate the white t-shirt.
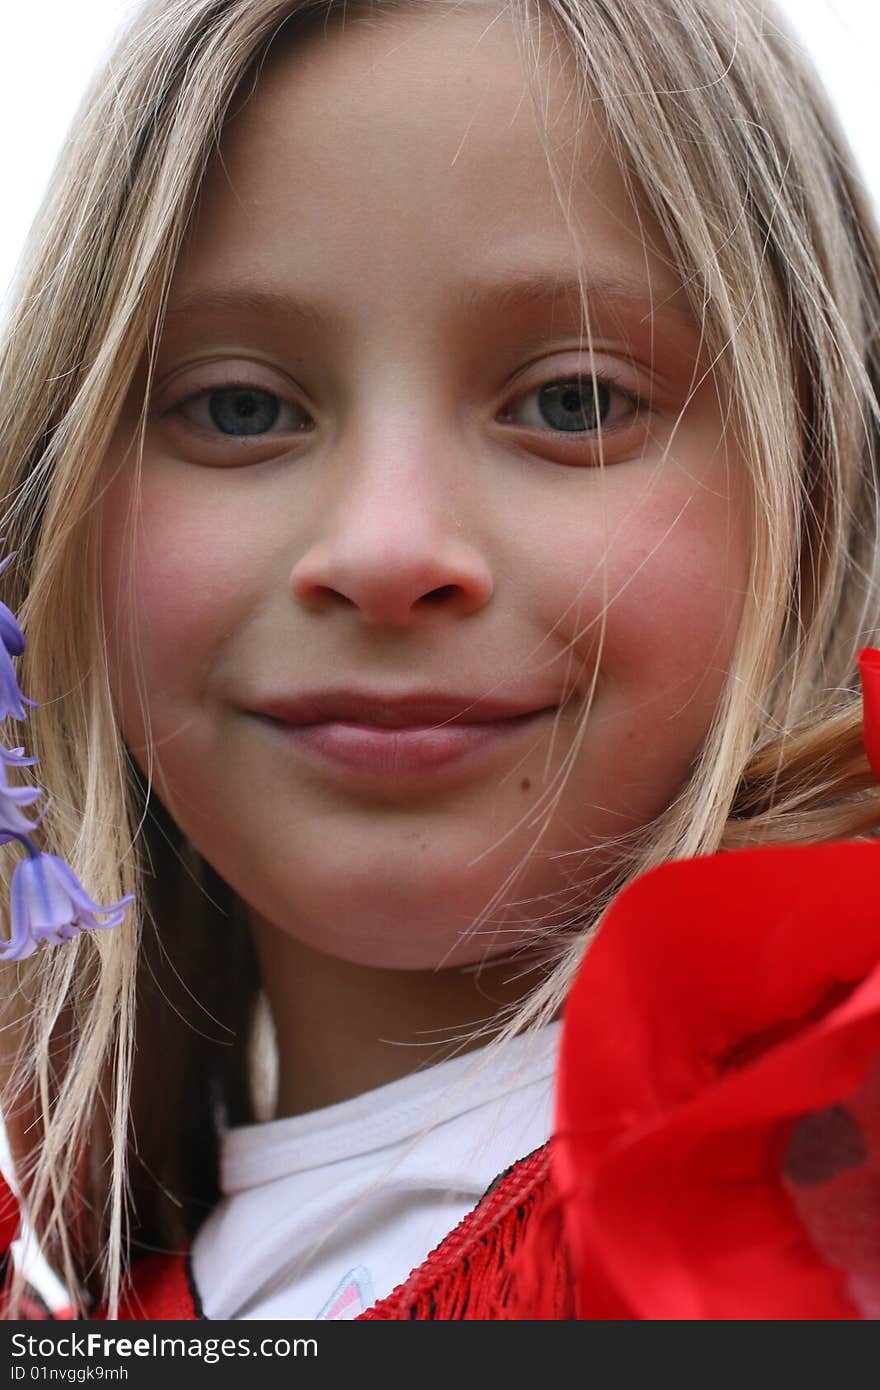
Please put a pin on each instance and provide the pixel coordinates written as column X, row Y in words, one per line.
column 325, row 1213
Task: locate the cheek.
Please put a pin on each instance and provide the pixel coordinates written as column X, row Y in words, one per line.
column 169, row 590
column 656, row 584
column 678, row 605
column 664, row 560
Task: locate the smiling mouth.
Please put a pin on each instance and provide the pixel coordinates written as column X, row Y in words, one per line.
column 402, row 750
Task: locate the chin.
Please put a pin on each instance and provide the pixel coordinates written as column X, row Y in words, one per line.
column 400, row 929
column 414, row 949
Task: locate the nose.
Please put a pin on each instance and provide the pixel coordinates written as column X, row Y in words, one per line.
column 391, row 546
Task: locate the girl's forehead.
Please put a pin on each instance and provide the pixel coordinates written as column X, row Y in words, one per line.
column 451, row 83
column 426, row 150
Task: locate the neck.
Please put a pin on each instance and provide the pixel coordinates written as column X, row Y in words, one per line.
column 344, row 1029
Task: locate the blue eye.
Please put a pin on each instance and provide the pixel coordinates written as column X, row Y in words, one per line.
column 576, row 405
column 243, row 412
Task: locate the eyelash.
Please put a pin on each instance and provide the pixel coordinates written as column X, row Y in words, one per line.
column 593, row 387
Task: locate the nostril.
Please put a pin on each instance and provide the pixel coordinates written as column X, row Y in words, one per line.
column 445, row 591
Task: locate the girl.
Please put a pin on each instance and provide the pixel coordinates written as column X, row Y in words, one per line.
column 439, row 461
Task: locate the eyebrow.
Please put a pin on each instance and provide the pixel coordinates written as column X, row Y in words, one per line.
column 503, row 294
column 545, row 288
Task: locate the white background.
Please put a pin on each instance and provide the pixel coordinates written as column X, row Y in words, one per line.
column 50, row 49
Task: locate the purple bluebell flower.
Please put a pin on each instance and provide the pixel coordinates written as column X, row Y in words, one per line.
column 12, row 701
column 10, row 633
column 12, row 823
column 15, row 757
column 50, row 905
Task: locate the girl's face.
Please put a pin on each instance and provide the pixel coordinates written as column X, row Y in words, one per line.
column 371, row 477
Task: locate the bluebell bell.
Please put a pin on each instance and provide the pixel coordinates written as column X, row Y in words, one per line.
column 50, row 905
column 11, row 634
column 15, row 757
column 12, row 823
column 12, row 701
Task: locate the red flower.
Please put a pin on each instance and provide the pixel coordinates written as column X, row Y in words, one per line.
column 869, row 668
column 717, row 1147
column 718, row 1110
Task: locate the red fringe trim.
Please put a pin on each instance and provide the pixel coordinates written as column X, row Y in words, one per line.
column 504, row 1261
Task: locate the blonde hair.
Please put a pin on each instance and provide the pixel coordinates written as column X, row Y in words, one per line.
column 719, row 122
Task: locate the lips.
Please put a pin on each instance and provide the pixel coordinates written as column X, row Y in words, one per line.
column 394, row 737
column 416, row 711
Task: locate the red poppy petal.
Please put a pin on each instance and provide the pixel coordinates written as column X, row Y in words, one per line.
column 673, row 1124
column 869, row 669
column 698, row 1227
column 699, row 955
column 831, row 1173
